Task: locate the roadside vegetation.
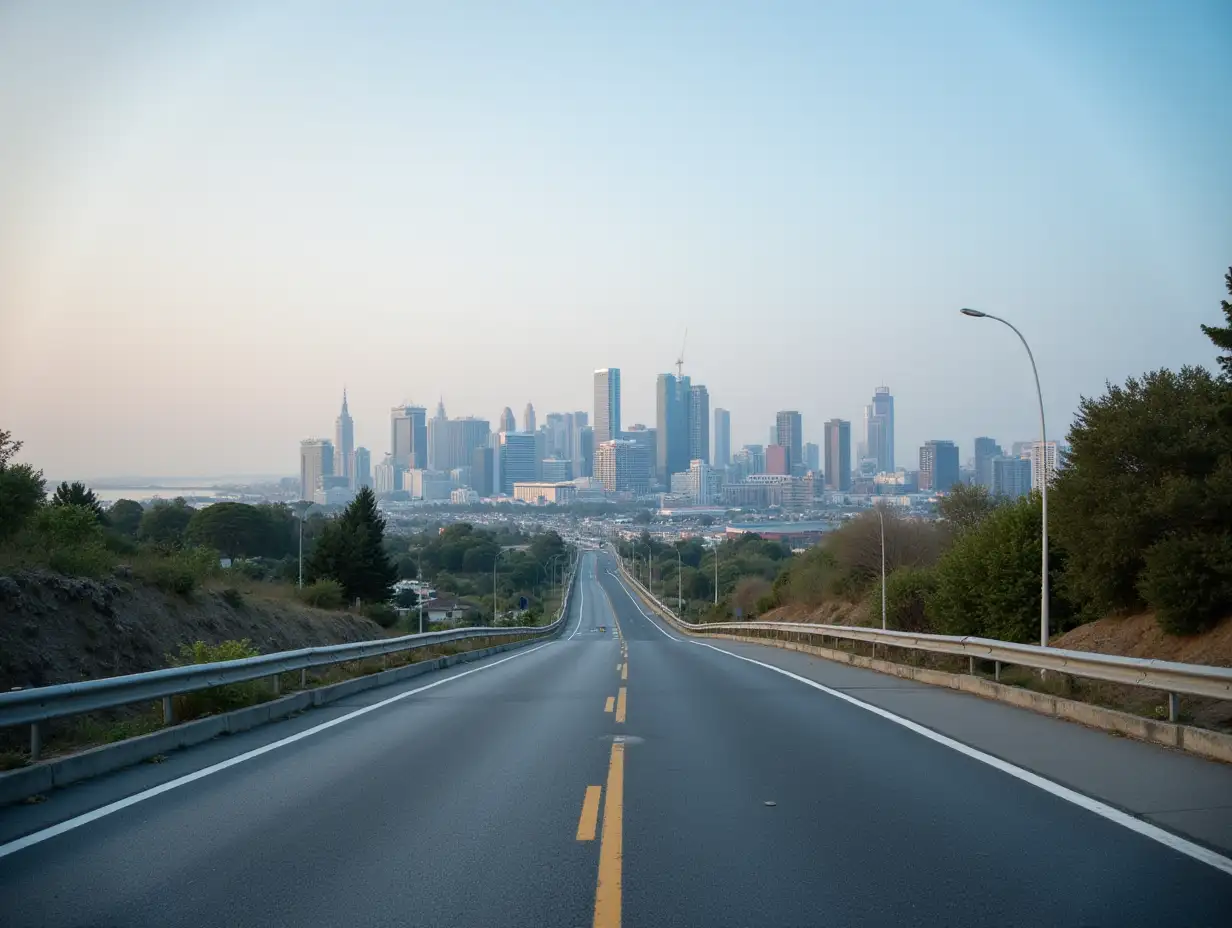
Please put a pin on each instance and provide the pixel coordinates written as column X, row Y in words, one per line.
column 1138, row 522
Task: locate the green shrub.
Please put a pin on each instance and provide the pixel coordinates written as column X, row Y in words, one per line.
column 178, row 572
column 907, row 592
column 232, row 597
column 220, row 698
column 1187, row 580
column 324, row 594
column 382, row 614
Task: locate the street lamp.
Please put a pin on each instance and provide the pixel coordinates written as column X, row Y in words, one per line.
column 881, row 517
column 300, row 509
column 716, row 574
column 495, row 560
column 679, row 587
column 1043, row 458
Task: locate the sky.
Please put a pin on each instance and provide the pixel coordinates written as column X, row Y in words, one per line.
column 215, row 215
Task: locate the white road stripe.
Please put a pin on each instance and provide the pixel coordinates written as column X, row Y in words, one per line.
column 581, row 606
column 1124, row 819
column 638, row 605
column 40, row 836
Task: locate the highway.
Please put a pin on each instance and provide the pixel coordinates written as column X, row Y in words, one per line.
column 620, row 775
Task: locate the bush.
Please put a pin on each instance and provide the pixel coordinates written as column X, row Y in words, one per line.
column 232, row 597
column 179, row 572
column 382, row 614
column 220, row 698
column 1187, row 580
column 324, row 594
column 907, row 592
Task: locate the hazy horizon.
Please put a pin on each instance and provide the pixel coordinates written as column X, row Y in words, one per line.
column 217, row 215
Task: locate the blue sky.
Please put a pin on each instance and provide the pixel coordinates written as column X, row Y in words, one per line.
column 216, row 214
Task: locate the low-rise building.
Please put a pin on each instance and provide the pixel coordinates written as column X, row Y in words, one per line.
column 542, row 492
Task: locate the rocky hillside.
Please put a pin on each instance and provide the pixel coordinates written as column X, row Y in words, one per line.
column 56, row 629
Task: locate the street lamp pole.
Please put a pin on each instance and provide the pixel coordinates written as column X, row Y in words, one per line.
column 679, row 586
column 716, row 575
column 881, row 517
column 1043, row 459
column 419, row 581
column 495, row 561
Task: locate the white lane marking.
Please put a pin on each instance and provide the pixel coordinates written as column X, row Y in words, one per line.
column 581, row 608
column 38, row 837
column 1124, row 819
column 638, row 605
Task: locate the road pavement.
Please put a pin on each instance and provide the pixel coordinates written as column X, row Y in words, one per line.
column 616, row 775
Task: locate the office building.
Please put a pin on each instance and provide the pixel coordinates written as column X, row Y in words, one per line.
column 722, row 437
column 360, row 472
column 778, row 460
column 620, row 466
column 985, row 450
column 879, row 429
column 574, row 423
column 427, row 485
column 517, row 460
column 752, row 459
column 938, row 466
column 838, row 455
column 386, row 477
column 463, row 496
column 344, row 441
column 789, row 434
column 585, row 451
column 542, row 492
column 460, row 476
column 333, row 490
column 481, row 471
column 452, row 442
column 1009, row 476
column 408, row 436
column 316, row 461
column 607, row 405
column 555, row 470
column 699, row 423
column 1045, row 459
column 700, row 483
column 528, row 418
column 646, row 439
column 507, row 422
column 672, row 400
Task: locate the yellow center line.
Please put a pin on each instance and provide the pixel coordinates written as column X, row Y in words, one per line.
column 624, row 671
column 611, row 704
column 590, row 814
column 607, row 892
column 620, row 705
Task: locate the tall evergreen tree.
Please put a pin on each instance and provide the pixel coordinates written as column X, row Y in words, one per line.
column 351, row 550
column 78, row 494
column 1222, row 335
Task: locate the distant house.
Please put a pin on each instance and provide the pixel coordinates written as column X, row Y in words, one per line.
column 447, row 610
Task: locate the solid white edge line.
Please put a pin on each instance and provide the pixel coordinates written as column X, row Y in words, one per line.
column 620, row 581
column 1124, row 819
column 581, row 606
column 52, row 831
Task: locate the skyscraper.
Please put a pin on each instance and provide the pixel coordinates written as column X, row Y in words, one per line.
column 607, row 404
column 838, row 455
column 584, row 463
column 879, row 426
column 812, row 456
column 507, row 422
column 722, row 437
column 361, row 468
column 1010, row 477
column 408, row 437
column 938, row 465
column 452, row 442
column 344, row 441
column 1044, row 460
column 528, row 418
column 985, row 450
column 316, row 462
column 647, row 440
column 778, row 460
column 699, row 423
column 672, row 396
column 517, row 459
column 790, row 434
column 620, row 466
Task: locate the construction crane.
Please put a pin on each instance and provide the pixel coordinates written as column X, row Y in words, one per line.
column 680, row 360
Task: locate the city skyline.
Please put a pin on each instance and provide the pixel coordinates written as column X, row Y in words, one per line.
column 508, row 232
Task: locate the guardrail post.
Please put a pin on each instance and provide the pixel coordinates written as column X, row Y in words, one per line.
column 996, row 671
column 276, row 681
column 168, row 711
column 36, row 742
column 1174, row 707
column 303, row 678
column 971, row 666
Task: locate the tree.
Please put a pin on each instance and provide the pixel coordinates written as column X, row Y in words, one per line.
column 1148, row 462
column 351, row 550
column 965, row 506
column 78, row 494
column 9, row 446
column 22, row 488
column 165, row 522
column 124, row 517
column 1221, row 336
column 235, row 529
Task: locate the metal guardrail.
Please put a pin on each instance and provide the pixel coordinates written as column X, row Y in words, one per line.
column 1166, row 676
column 40, row 704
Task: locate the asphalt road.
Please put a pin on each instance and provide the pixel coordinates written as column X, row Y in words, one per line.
column 567, row 784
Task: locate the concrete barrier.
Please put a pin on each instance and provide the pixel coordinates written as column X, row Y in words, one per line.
column 36, row 779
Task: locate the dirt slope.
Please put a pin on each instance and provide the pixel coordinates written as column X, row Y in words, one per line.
column 1140, row 636
column 56, row 629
